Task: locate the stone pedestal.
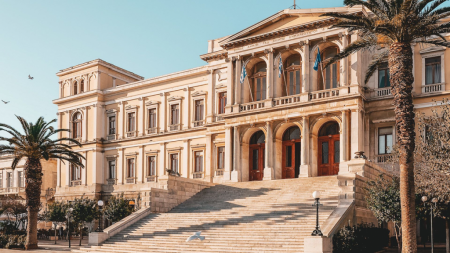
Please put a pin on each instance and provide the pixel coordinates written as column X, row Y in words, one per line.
column 318, row 244
column 268, row 174
column 234, row 176
column 96, row 238
column 304, row 171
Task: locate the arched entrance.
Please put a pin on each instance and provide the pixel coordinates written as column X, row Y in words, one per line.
column 291, row 153
column 257, row 150
column 329, row 149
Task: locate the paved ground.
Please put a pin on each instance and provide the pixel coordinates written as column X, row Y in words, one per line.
column 440, row 248
column 49, row 246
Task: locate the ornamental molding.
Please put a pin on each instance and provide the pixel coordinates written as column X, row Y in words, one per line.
column 150, row 103
column 131, row 107
column 174, row 98
column 199, row 93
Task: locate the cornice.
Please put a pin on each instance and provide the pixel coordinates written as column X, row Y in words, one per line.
column 78, row 96
column 214, row 56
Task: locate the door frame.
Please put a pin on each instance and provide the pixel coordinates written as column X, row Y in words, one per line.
column 259, row 174
column 283, row 154
column 332, row 168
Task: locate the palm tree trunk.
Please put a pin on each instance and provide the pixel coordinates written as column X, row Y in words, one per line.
column 400, row 66
column 33, row 182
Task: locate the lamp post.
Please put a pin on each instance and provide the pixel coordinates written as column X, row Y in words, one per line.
column 316, row 196
column 434, row 200
column 69, row 212
column 100, row 207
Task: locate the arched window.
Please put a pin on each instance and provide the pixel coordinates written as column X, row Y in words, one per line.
column 292, row 133
column 330, row 128
column 259, row 82
column 293, row 75
column 329, row 78
column 82, row 86
column 76, row 125
column 258, row 138
column 75, row 88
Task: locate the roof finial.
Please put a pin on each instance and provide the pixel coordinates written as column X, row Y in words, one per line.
column 294, row 6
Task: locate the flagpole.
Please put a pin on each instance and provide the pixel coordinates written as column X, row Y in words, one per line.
column 285, row 84
column 321, row 66
column 250, row 88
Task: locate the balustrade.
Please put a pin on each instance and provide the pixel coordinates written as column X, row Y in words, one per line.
column 252, row 106
column 430, row 88
column 324, row 94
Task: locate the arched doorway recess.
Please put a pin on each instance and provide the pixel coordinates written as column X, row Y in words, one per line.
column 291, row 153
column 257, row 150
column 329, row 149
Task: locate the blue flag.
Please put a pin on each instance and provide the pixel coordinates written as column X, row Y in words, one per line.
column 243, row 74
column 318, row 60
column 280, row 67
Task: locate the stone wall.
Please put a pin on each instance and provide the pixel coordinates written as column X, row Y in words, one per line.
column 176, row 191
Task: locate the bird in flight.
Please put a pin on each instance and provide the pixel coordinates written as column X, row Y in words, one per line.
column 5, row 102
column 30, row 77
column 195, row 236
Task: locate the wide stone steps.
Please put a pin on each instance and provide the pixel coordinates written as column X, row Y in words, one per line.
column 269, row 216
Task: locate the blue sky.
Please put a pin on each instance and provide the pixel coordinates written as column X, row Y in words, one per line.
column 147, row 37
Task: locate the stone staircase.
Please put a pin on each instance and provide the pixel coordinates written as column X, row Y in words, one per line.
column 265, row 216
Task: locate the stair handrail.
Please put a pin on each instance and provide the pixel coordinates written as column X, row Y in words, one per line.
column 126, row 222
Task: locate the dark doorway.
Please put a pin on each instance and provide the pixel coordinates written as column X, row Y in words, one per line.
column 291, row 153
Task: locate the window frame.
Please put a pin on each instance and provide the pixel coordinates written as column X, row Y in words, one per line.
column 199, row 112
column 322, row 75
column 293, row 69
column 130, row 161
column 434, row 69
column 171, row 163
column 384, row 68
column 432, row 52
column 262, row 77
column 178, row 117
column 222, row 102
column 218, row 155
column 152, row 105
column 377, row 130
column 77, row 125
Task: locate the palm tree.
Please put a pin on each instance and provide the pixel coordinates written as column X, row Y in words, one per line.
column 394, row 25
column 34, row 144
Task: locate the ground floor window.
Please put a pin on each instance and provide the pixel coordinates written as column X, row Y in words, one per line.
column 174, row 163
column 385, row 140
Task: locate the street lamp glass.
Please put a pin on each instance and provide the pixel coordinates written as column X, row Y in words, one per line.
column 316, row 195
column 100, row 203
column 424, row 199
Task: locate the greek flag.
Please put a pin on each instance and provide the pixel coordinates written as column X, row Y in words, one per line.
column 243, row 74
column 318, row 60
column 280, row 67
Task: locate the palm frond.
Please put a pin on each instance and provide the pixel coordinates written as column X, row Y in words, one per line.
column 350, row 49
column 373, row 66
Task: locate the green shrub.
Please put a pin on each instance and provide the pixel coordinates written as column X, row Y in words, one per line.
column 12, row 241
column 362, row 238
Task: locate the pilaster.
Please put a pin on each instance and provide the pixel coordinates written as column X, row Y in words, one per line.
column 185, row 110
column 237, row 82
column 228, row 153
column 305, row 69
column 184, row 170
column 356, row 132
column 209, row 168
column 210, row 98
column 84, row 133
column 268, row 156
column 162, row 160
column 236, row 155
column 120, row 166
column 141, row 119
column 140, row 165
column 121, row 120
column 162, row 113
column 304, row 167
column 230, row 87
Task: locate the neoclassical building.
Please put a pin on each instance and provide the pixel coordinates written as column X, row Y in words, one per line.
column 257, row 110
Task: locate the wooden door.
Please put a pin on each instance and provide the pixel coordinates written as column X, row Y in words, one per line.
column 329, row 154
column 288, row 159
column 256, row 162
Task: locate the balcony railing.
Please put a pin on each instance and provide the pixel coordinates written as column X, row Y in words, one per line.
column 219, row 118
column 383, row 158
column 12, row 190
column 430, row 88
column 152, row 130
column 111, row 181
column 75, row 182
column 199, row 123
column 219, row 172
column 252, row 106
column 151, row 179
column 131, row 180
column 131, row 134
column 197, row 175
column 111, row 137
column 174, row 127
column 383, row 92
column 286, row 100
column 324, row 94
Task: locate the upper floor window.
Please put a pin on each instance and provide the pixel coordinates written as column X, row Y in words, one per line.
column 175, row 114
column 9, row 179
column 222, row 102
column 151, row 163
column 174, row 162
column 1, row 179
column 75, row 172
column 221, row 158
column 152, row 118
column 293, row 75
column 198, row 161
column 259, row 82
column 328, row 78
column 75, row 88
column 385, row 140
column 82, row 86
column 130, row 167
column 131, row 122
column 112, row 125
column 21, row 179
column 199, row 111
column 383, row 76
column 112, row 169
column 433, row 70
column 76, row 125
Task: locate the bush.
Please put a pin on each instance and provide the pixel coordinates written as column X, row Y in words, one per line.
column 12, row 241
column 362, row 238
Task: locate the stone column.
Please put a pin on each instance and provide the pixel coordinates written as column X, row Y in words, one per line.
column 354, row 64
column 228, row 153
column 140, row 165
column 141, row 119
column 120, row 166
column 162, row 114
column 357, row 132
column 67, row 174
column 209, row 166
column 184, row 170
column 230, row 93
column 344, row 137
column 268, row 156
column 237, row 82
column 236, row 156
column 304, row 167
column 120, row 120
column 84, row 133
column 16, row 178
column 305, row 68
column 270, row 81
column 97, row 168
column 162, row 160
column 344, row 63
column 210, row 104
column 83, row 170
column 185, row 110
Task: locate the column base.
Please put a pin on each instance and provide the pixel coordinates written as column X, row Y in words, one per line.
column 304, row 171
column 226, row 176
column 318, row 244
column 268, row 174
column 304, row 97
column 235, row 176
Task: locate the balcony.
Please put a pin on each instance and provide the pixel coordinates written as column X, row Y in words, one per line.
column 111, row 181
column 219, row 172
column 251, row 106
column 131, row 134
column 383, row 158
column 383, row 92
column 175, row 127
column 151, row 179
column 432, row 88
column 152, row 130
column 197, row 175
column 75, row 183
column 287, row 100
column 199, row 123
column 324, row 94
column 12, row 190
column 111, row 137
column 131, row 180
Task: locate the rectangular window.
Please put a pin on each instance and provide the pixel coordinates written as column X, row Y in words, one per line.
column 199, row 110
column 21, row 179
column 297, row 82
column 291, row 83
column 325, row 153
column 131, row 122
column 222, row 102
column 198, row 161
column 255, row 159
column 151, row 163
column 112, row 124
column 9, row 179
column 288, row 156
column 175, row 113
column 258, row 89
column 174, row 162
column 385, row 141
column 383, row 76
column 433, row 70
column 152, row 118
column 221, row 158
column 263, row 88
column 337, row 151
column 75, row 173
column 112, row 169
column 130, row 167
column 1, row 179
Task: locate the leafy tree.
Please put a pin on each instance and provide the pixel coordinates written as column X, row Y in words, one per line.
column 394, row 25
column 84, row 211
column 56, row 213
column 383, row 199
column 17, row 210
column 35, row 143
column 117, row 209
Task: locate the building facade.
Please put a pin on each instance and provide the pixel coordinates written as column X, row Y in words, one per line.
column 257, row 110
